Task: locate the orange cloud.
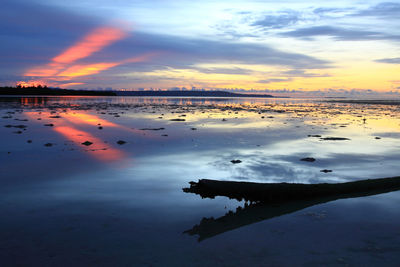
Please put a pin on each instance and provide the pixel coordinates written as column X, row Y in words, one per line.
column 91, row 43
column 83, row 70
column 64, row 85
column 63, row 67
column 44, row 71
column 89, row 69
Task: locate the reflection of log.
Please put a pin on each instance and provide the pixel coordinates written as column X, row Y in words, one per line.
column 209, row 227
column 276, row 200
column 278, row 192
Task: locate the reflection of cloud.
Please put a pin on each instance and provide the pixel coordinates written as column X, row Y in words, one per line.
column 80, row 118
column 100, row 150
column 83, row 118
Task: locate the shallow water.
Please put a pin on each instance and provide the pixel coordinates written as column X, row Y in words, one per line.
column 68, row 204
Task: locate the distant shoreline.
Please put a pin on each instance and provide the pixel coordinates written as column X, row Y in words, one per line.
column 189, row 93
column 367, row 101
column 44, row 91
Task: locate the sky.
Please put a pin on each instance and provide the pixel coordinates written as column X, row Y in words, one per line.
column 242, row 45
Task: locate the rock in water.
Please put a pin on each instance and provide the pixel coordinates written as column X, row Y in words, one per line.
column 308, row 159
column 87, row 143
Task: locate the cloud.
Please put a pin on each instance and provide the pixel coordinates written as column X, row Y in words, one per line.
column 181, row 52
column 303, row 73
column 36, row 35
column 384, row 10
column 91, row 43
column 275, row 80
column 31, row 34
column 395, row 60
column 340, row 34
column 233, row 71
column 330, row 10
column 278, row 21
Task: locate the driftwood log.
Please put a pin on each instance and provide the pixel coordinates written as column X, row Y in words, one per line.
column 278, row 192
column 276, row 199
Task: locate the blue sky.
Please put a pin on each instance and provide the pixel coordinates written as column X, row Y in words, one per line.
column 295, row 45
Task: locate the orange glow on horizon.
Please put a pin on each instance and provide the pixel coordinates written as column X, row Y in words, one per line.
column 31, row 83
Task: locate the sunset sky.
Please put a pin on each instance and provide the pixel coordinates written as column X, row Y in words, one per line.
column 128, row 44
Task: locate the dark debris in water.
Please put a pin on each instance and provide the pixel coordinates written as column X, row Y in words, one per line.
column 152, row 129
column 308, row 159
column 334, row 138
column 87, row 143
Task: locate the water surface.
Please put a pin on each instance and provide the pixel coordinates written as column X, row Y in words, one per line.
column 120, row 203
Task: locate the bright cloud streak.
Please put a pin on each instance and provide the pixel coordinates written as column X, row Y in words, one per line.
column 63, row 67
column 84, row 70
column 91, row 43
column 90, row 69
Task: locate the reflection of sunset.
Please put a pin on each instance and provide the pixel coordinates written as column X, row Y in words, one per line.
column 84, row 118
column 101, row 151
column 98, row 149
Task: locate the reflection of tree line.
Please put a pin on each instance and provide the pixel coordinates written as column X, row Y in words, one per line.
column 278, row 199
